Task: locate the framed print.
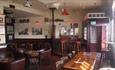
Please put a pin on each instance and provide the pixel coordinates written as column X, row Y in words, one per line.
column 2, row 19
column 21, row 29
column 23, row 32
column 36, row 31
column 10, row 29
column 2, row 39
column 2, row 29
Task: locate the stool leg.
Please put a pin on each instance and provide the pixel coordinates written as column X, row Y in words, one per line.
column 37, row 66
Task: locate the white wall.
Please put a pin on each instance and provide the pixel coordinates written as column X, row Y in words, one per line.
column 35, row 22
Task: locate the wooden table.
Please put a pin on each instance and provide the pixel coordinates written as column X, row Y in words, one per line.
column 78, row 59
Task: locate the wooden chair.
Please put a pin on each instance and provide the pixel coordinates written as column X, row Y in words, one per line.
column 62, row 46
column 33, row 61
column 64, row 58
column 77, row 45
column 59, row 65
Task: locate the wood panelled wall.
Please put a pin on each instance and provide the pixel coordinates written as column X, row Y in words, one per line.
column 35, row 43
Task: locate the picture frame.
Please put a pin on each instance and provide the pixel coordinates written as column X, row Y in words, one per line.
column 37, row 31
column 23, row 32
column 10, row 29
column 2, row 29
column 2, row 19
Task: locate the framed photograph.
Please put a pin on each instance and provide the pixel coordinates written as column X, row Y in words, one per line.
column 10, row 29
column 21, row 29
column 36, row 31
column 24, row 20
column 2, row 19
column 23, row 32
column 2, row 29
column 2, row 39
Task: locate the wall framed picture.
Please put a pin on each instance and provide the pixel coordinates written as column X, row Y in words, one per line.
column 2, row 19
column 24, row 32
column 2, row 29
column 10, row 29
column 36, row 31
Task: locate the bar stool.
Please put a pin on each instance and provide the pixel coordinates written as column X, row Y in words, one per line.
column 64, row 58
column 29, row 46
column 62, row 46
column 77, row 45
column 33, row 58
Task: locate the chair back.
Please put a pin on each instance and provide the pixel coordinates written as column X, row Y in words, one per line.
column 59, row 64
column 70, row 55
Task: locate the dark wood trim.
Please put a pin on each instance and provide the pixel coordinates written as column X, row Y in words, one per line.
column 95, row 46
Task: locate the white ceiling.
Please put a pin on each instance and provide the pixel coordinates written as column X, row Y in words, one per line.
column 71, row 4
column 81, row 4
column 19, row 13
column 85, row 3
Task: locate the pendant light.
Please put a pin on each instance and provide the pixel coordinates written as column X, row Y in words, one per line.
column 28, row 3
column 64, row 11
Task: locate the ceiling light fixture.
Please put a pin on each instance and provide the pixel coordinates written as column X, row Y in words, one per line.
column 64, row 11
column 56, row 5
column 28, row 3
